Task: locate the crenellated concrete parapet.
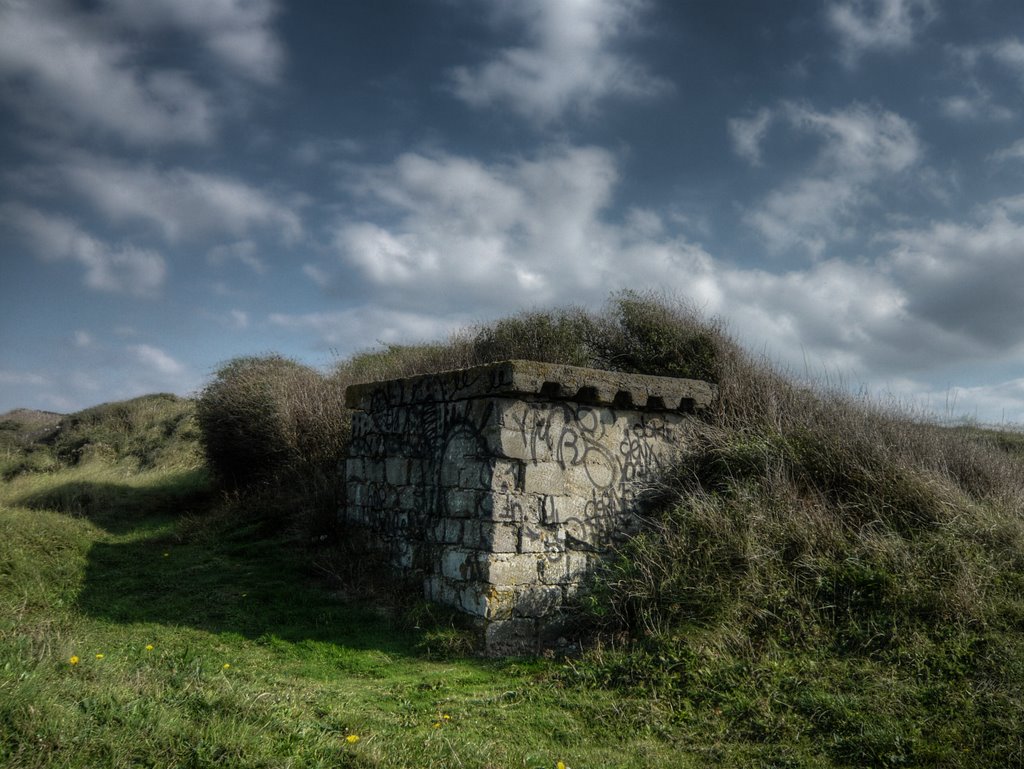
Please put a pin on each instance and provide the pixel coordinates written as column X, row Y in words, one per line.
column 501, row 485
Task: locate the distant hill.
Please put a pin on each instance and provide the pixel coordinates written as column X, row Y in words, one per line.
column 21, row 426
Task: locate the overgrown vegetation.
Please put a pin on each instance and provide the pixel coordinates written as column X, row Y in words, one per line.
column 822, row 581
column 146, row 620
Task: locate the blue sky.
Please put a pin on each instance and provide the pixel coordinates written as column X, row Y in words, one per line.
column 185, row 181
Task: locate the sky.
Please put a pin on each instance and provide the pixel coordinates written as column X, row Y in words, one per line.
column 841, row 182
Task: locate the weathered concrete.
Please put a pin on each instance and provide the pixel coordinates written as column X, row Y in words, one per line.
column 502, row 484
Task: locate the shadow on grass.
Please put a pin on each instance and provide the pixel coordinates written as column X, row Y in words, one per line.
column 234, row 585
column 119, row 508
column 243, row 579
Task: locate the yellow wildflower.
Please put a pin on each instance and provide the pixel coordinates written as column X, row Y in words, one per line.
column 352, row 739
column 446, row 717
column 149, row 647
column 99, row 656
column 560, row 765
column 226, row 666
column 437, row 724
column 73, row 660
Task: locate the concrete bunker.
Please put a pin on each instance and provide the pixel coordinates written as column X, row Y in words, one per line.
column 501, row 485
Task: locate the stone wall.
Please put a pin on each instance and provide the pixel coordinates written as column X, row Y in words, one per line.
column 500, row 485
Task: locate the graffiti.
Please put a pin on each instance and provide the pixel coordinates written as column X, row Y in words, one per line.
column 486, row 494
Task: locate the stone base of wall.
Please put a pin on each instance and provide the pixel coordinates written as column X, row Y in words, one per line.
column 502, row 485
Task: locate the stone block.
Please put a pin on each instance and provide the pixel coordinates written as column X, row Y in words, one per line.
column 506, row 476
column 473, row 599
column 511, row 508
column 538, row 539
column 432, row 588
column 512, row 443
column 408, row 498
column 474, row 475
column 544, row 478
column 499, row 537
column 537, row 601
column 562, row 509
column 457, row 564
column 500, row 602
column 599, row 472
column 354, row 469
column 511, row 637
column 450, row 470
column 463, row 503
column 453, row 531
column 403, row 555
column 553, row 569
column 396, row 471
column 502, row 569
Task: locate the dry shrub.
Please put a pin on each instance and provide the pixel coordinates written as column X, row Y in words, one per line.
column 268, row 420
column 801, row 512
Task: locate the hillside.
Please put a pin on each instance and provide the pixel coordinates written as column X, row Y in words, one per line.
column 19, row 427
column 822, row 581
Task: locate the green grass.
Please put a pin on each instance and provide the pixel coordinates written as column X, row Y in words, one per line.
column 97, row 559
column 822, row 582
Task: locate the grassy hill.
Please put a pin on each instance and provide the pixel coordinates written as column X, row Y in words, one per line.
column 821, row 582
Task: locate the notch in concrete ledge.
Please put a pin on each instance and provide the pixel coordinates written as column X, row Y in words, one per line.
column 550, row 390
column 623, row 400
column 656, row 402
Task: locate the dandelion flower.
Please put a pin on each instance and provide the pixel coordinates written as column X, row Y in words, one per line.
column 99, row 656
column 446, row 717
column 561, row 765
column 352, row 739
column 226, row 666
column 149, row 647
column 73, row 660
column 437, row 724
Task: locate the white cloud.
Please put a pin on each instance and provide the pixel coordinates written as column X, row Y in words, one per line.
column 1014, row 152
column 965, row 278
column 156, row 359
column 123, row 268
column 83, row 338
column 8, row 377
column 364, row 327
column 1010, row 53
column 999, row 403
column 748, row 133
column 240, row 318
column 317, row 274
column 508, row 234
column 882, row 25
column 860, row 146
column 243, row 251
column 237, row 32
column 978, row 102
column 68, row 69
column 570, row 61
column 465, row 238
column 974, row 106
column 182, row 204
column 311, row 151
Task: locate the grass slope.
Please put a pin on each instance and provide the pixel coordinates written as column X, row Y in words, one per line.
column 253, row 661
column 821, row 583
